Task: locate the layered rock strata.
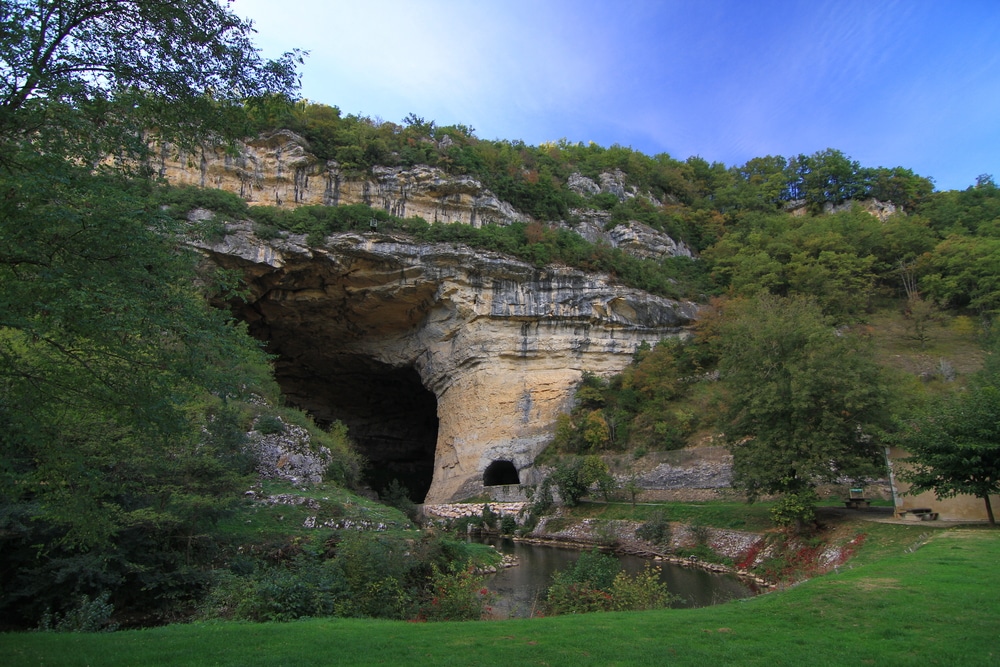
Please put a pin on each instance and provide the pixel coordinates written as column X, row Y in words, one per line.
column 277, row 169
column 393, row 328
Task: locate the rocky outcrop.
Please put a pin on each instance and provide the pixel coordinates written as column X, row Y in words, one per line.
column 287, row 455
column 882, row 210
column 634, row 238
column 698, row 468
column 277, row 169
column 376, row 329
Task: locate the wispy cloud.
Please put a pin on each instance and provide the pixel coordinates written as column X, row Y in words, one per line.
column 893, row 82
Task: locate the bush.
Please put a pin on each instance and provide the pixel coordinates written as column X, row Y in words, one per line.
column 456, row 594
column 565, row 597
column 795, row 509
column 269, row 425
column 86, row 615
column 398, row 496
column 568, row 478
column 585, row 586
column 345, row 463
column 640, row 592
column 656, row 530
column 307, row 587
column 180, row 201
column 596, row 582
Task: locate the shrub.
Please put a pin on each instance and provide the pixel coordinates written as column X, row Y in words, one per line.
column 398, row 496
column 641, row 591
column 490, row 518
column 795, row 509
column 466, row 524
column 595, row 471
column 306, row 587
column 584, row 586
column 597, row 583
column 345, row 463
column 86, row 615
column 179, row 201
column 566, row 597
column 568, row 478
column 269, row 425
column 656, row 530
column 456, row 594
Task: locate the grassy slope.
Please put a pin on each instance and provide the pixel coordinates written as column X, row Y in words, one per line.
column 255, row 521
column 936, row 605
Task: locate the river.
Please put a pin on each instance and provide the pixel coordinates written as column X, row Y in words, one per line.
column 520, row 590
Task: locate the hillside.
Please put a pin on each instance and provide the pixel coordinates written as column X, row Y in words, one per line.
column 434, row 297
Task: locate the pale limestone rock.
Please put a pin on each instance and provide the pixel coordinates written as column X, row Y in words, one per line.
column 288, row 455
column 582, row 185
column 277, row 169
column 499, row 343
column 634, row 238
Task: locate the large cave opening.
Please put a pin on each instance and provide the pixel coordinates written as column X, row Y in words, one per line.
column 389, row 414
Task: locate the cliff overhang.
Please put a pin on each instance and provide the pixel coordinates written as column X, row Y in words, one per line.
column 441, row 359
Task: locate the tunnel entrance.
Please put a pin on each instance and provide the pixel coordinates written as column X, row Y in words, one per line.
column 500, row 473
column 389, row 414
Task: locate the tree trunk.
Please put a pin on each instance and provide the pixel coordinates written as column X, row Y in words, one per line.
column 989, row 509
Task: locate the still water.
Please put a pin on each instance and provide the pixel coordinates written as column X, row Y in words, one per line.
column 520, row 590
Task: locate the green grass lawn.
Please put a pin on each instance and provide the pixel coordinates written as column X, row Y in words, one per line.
column 932, row 605
column 255, row 520
column 715, row 513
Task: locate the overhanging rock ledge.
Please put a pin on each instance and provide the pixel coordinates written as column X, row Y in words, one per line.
column 500, row 344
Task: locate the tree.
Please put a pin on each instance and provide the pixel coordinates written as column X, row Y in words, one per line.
column 93, row 76
column 954, row 445
column 804, row 402
column 120, row 386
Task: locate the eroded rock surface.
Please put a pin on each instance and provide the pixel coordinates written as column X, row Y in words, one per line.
column 277, row 169
column 288, row 455
column 379, row 331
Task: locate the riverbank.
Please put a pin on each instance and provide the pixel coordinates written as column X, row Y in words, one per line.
column 722, row 537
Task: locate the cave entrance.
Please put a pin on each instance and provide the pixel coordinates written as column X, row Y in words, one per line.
column 501, row 473
column 389, row 414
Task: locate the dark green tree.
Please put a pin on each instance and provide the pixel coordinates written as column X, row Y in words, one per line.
column 954, row 445
column 119, row 385
column 92, row 77
column 804, row 402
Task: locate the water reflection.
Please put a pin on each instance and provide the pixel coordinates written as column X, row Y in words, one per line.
column 521, row 590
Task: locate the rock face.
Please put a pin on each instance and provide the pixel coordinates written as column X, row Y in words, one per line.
column 633, row 237
column 878, row 209
column 441, row 359
column 287, row 455
column 701, row 468
column 278, row 169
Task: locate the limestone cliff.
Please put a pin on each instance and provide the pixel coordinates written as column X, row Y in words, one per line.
column 278, row 169
column 437, row 350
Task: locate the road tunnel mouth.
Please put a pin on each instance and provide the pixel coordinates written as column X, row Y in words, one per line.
column 390, row 416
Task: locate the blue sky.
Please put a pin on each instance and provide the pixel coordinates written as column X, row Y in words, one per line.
column 914, row 83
